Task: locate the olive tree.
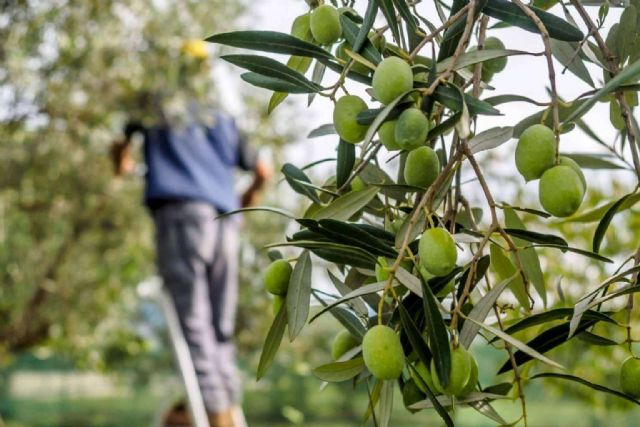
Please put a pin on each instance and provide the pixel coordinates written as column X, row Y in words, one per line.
column 419, row 276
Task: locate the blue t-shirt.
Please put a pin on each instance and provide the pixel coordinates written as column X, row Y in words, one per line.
column 194, row 162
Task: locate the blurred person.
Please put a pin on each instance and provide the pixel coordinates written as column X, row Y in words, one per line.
column 191, row 154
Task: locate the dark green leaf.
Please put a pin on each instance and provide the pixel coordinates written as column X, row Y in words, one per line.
column 369, row 19
column 270, row 41
column 503, row 99
column 358, row 237
column 558, row 28
column 272, row 342
column 450, row 98
column 415, row 337
column 272, row 68
column 346, row 317
column 596, row 387
column 353, row 75
column 596, row 213
column 350, row 30
column 274, row 84
column 390, row 15
column 433, row 398
column 480, row 311
column 258, row 208
column 299, row 295
column 594, row 339
column 405, row 12
column 364, row 290
column 293, row 175
column 346, row 160
column 438, row 336
column 534, row 237
column 605, row 221
column 547, row 340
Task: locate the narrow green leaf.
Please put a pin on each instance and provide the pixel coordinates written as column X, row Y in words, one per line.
column 504, row 99
column 299, row 295
column 369, row 19
column 316, row 77
column 270, row 41
column 271, row 68
column 476, row 56
column 386, row 6
column 450, row 98
column 382, row 117
column 405, row 12
column 272, row 342
column 546, row 341
column 508, row 12
column 504, row 268
column 438, row 335
column 346, row 160
column 594, row 339
column 480, row 311
column 292, row 174
column 594, row 161
column 534, row 237
column 517, row 344
column 490, row 139
column 449, row 401
column 322, row 130
column 582, row 381
column 258, row 209
column 364, row 290
column 356, row 236
column 357, row 304
column 347, row 205
column 565, row 52
column 485, row 408
column 298, row 63
column 433, row 399
column 605, row 221
column 627, row 75
column 597, row 213
column 339, row 371
column 386, row 403
column 350, row 30
column 575, row 250
column 275, row 84
column 415, row 337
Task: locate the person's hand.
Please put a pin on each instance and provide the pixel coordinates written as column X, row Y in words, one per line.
column 123, row 162
column 262, row 173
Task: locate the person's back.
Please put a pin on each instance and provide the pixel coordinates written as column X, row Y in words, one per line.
column 189, row 182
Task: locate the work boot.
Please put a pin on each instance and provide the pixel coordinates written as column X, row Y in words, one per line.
column 178, row 416
column 222, row 418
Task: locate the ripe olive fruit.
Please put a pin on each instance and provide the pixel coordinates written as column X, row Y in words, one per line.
column 387, row 134
column 345, row 116
column 536, row 151
column 473, row 377
column 495, row 65
column 357, row 66
column 437, row 251
column 630, row 377
column 425, row 376
column 412, row 128
column 276, row 304
column 325, row 24
column 342, row 343
column 561, row 191
column 567, row 161
column 459, row 374
column 421, row 167
column 392, row 77
column 276, row 277
column 382, row 353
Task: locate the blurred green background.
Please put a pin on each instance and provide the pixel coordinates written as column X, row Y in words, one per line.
column 78, row 347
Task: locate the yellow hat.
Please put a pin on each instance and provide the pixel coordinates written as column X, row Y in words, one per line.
column 195, row 48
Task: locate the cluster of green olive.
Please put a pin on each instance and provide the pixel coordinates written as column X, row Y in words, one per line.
column 562, row 182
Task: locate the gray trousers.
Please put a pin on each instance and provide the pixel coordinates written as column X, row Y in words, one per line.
column 197, row 260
